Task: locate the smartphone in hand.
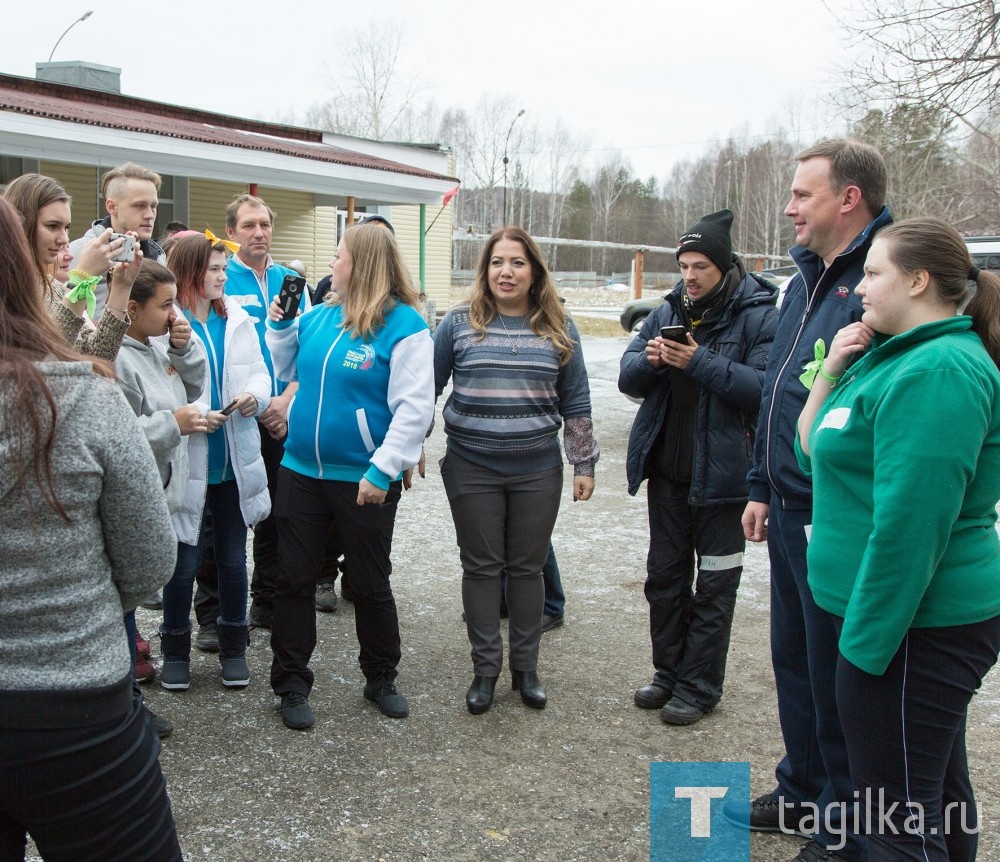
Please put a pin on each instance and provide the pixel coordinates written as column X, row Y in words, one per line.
column 230, row 407
column 676, row 334
column 290, row 295
column 126, row 254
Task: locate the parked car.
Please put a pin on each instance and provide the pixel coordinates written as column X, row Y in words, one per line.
column 637, row 310
column 985, row 251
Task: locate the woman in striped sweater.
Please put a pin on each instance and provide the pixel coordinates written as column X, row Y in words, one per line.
column 517, row 377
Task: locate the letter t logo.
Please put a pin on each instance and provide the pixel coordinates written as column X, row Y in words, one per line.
column 701, row 807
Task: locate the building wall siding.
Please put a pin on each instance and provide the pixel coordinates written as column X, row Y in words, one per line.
column 406, row 220
column 84, row 186
column 301, row 231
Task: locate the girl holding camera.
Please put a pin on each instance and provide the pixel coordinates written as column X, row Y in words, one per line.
column 44, row 207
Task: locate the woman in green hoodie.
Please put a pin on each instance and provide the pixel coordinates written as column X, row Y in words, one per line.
column 904, row 450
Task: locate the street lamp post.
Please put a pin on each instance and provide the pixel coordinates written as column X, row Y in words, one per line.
column 83, row 17
column 505, row 160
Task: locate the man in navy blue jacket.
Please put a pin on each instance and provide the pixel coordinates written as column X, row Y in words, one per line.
column 837, row 205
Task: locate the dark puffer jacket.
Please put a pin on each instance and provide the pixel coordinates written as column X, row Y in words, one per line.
column 728, row 367
column 818, row 303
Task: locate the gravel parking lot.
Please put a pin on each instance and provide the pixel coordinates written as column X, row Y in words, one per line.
column 567, row 783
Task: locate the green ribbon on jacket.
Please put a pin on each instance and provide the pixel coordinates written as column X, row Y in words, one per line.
column 83, row 288
column 808, row 376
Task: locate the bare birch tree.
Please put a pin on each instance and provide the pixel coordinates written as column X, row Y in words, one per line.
column 941, row 54
column 371, row 94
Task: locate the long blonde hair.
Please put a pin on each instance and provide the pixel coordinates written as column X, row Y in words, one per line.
column 546, row 315
column 379, row 279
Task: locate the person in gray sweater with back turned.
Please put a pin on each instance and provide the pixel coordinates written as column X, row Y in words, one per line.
column 86, row 535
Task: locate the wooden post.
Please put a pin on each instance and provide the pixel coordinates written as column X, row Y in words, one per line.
column 637, row 291
column 350, row 210
column 423, row 250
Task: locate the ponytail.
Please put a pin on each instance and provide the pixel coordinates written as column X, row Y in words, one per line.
column 984, row 308
column 933, row 245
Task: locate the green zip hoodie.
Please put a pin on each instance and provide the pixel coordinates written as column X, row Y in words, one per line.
column 905, row 467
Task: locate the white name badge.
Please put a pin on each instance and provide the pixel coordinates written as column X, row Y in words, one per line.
column 836, row 418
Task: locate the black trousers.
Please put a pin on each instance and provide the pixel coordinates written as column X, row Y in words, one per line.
column 905, row 733
column 690, row 629
column 92, row 793
column 265, row 534
column 305, row 511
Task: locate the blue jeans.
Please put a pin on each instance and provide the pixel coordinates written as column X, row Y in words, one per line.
column 230, row 537
column 555, row 599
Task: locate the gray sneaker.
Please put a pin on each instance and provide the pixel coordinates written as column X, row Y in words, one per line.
column 550, row 623
column 389, row 699
column 153, row 602
column 161, row 726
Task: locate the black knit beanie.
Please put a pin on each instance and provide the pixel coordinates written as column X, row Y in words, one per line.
column 711, row 237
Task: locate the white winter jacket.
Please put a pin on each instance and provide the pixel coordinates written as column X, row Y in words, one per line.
column 244, row 371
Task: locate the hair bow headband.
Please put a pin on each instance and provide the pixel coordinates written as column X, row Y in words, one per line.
column 212, row 238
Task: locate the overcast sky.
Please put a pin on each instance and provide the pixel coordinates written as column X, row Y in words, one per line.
column 656, row 80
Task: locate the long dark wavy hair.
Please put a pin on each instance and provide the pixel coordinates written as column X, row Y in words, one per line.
column 545, row 316
column 29, row 194
column 28, row 336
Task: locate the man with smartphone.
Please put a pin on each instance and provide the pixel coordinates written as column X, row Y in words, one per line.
column 255, row 280
column 698, row 364
column 130, row 194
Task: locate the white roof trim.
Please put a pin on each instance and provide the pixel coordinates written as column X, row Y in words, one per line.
column 30, row 136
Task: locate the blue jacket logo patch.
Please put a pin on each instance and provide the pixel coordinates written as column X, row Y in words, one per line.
column 843, row 292
column 360, row 358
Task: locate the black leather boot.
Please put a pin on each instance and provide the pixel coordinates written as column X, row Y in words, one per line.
column 479, row 698
column 527, row 682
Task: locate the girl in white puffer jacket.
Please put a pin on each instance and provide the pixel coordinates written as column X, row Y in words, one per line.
column 227, row 475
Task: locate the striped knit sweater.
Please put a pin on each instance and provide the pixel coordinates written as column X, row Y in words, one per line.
column 510, row 396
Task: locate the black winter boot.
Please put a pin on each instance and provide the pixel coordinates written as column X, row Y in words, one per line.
column 233, row 641
column 175, row 675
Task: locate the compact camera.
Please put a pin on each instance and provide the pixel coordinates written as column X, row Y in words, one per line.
column 126, row 253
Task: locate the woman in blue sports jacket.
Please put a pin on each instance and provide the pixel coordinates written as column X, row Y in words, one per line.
column 363, row 360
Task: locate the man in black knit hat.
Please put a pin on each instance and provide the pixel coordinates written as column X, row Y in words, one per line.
column 693, row 439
